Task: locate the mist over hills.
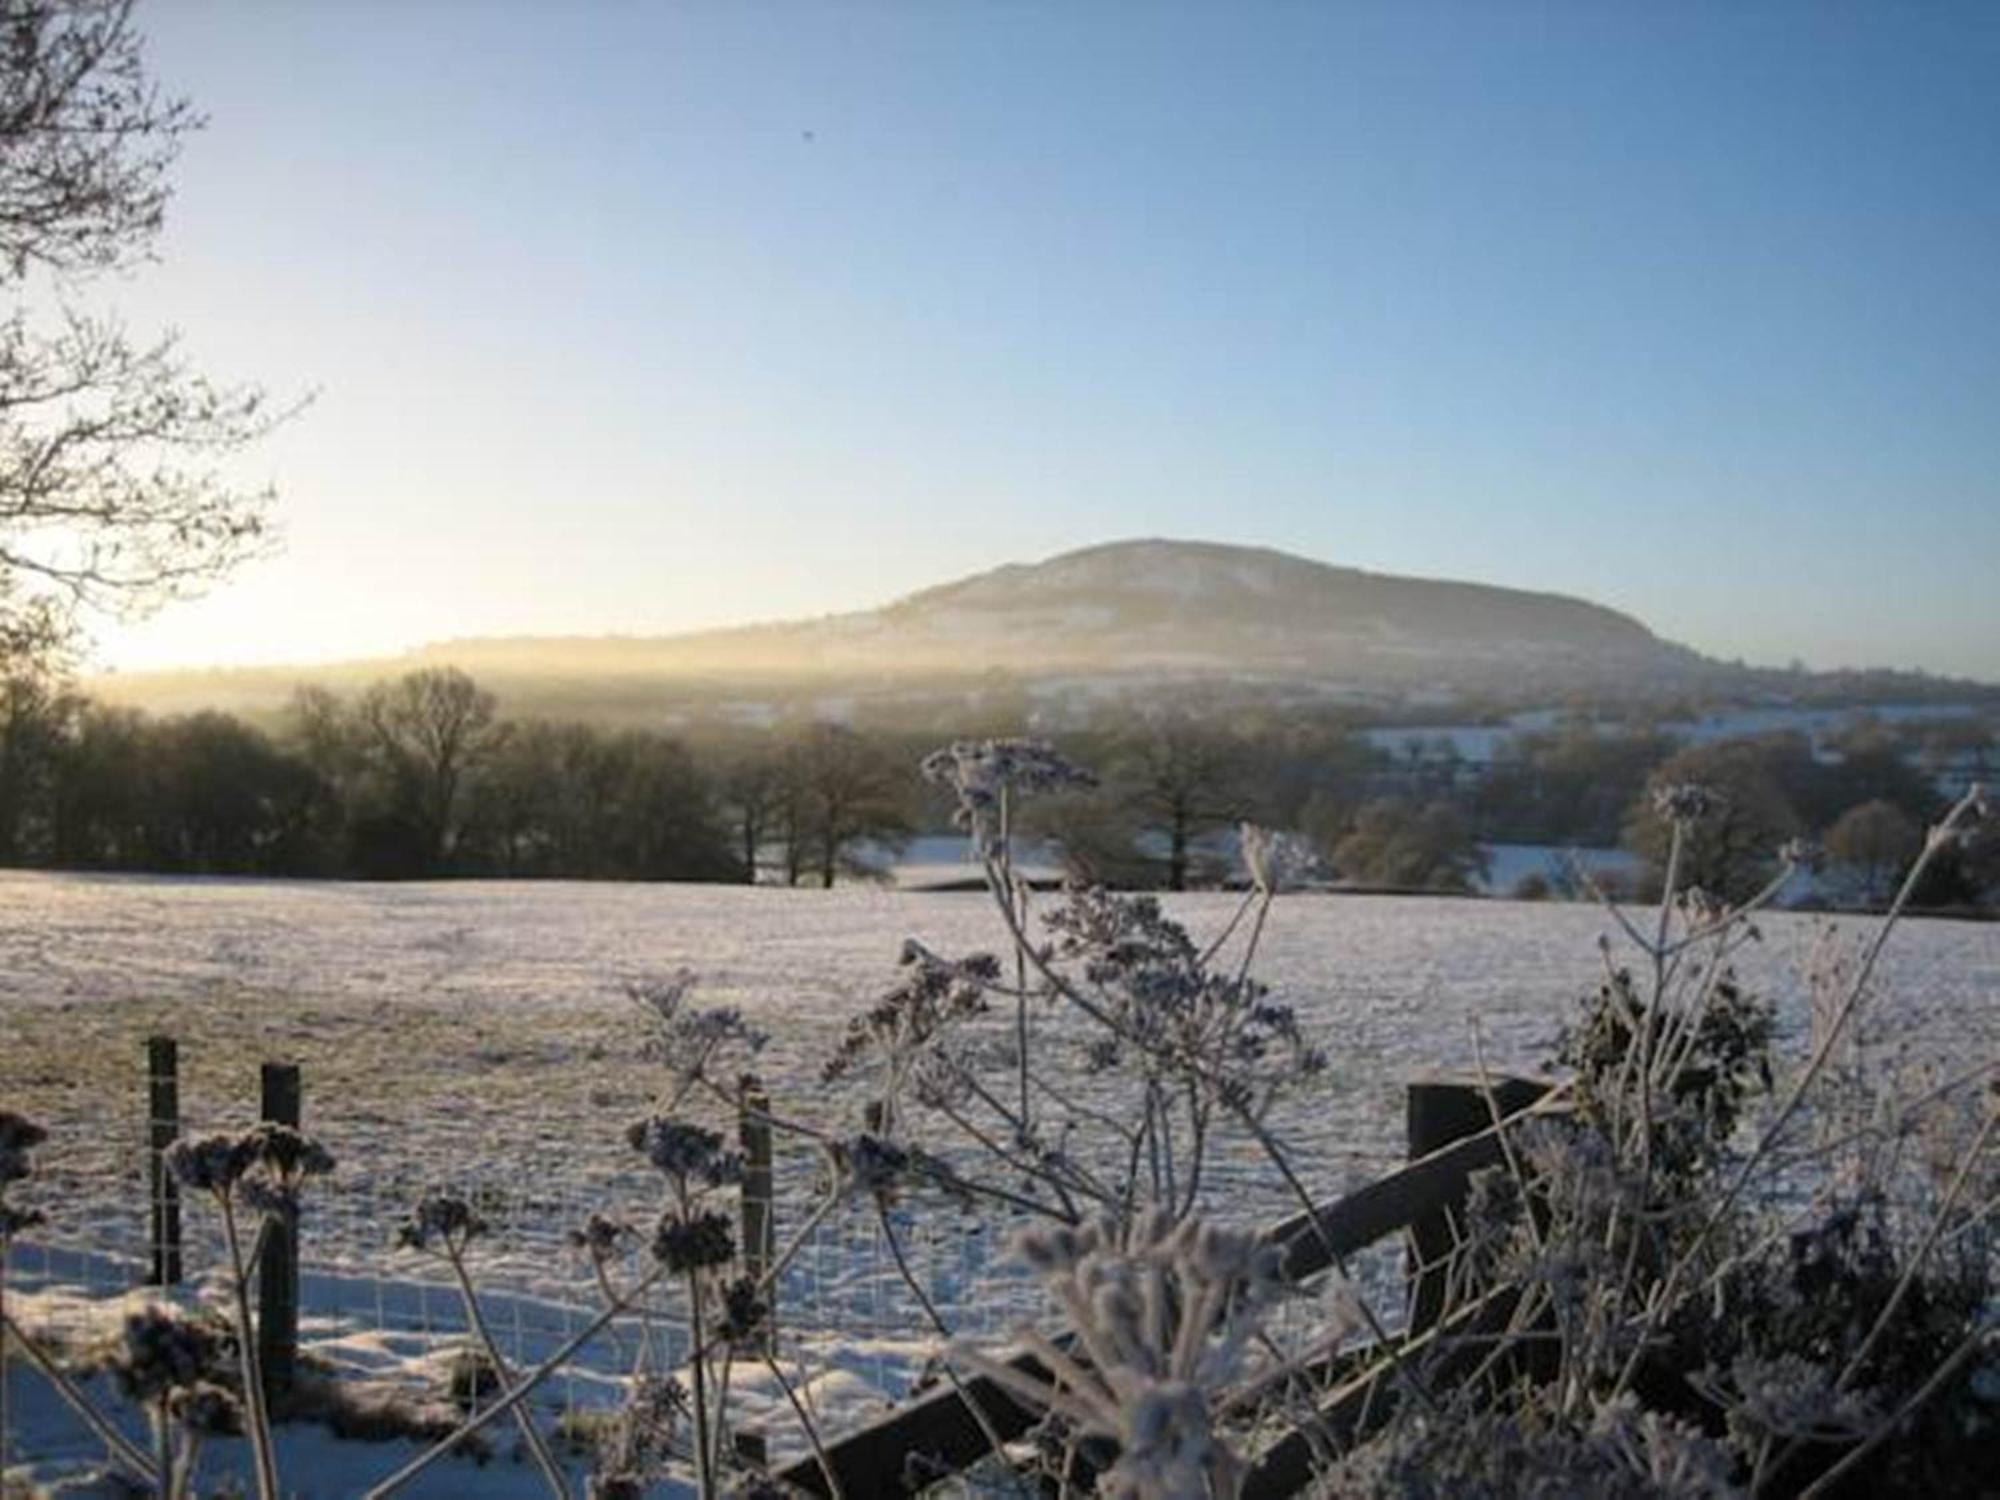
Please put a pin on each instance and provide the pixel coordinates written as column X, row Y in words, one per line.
column 1102, row 622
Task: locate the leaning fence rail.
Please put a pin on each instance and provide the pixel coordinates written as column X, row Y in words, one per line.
column 935, row 1435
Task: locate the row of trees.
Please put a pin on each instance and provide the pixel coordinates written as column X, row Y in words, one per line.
column 423, row 776
column 418, row 776
column 1863, row 812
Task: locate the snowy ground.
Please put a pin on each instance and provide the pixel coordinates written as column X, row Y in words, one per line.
column 477, row 1035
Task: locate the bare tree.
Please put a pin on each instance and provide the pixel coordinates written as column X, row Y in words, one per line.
column 844, row 789
column 755, row 792
column 1184, row 779
column 426, row 730
column 1877, row 840
column 108, row 497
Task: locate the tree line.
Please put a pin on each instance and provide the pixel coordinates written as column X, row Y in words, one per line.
column 422, row 776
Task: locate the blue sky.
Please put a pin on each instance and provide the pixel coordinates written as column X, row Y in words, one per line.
column 637, row 318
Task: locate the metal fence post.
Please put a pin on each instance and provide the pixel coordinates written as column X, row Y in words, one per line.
column 759, row 1210
column 278, row 1271
column 163, row 1125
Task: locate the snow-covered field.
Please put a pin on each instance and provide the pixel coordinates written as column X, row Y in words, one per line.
column 478, row 1035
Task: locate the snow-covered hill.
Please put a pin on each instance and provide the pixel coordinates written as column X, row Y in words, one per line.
column 1125, row 614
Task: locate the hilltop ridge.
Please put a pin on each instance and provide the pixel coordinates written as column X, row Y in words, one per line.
column 1119, row 617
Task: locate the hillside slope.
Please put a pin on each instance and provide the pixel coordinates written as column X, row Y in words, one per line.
column 1122, row 613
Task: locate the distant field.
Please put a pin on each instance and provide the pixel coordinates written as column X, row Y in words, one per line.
column 473, row 1031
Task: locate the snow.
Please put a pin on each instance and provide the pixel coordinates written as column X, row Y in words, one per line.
column 477, row 1035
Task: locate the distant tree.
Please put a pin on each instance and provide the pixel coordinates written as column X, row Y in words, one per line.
column 1406, row 846
column 1962, row 744
column 1734, row 850
column 666, row 825
column 424, row 733
column 1097, row 838
column 107, row 494
column 1965, row 873
column 755, row 791
column 1572, row 786
column 1872, row 762
column 37, row 712
column 844, row 788
column 1876, row 840
column 1183, row 778
column 102, row 791
column 1533, row 886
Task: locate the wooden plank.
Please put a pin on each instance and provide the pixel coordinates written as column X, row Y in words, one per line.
column 1311, row 1242
column 919, row 1442
column 1441, row 1109
column 1363, row 1403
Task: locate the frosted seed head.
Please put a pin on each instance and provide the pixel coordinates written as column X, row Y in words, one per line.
column 210, row 1163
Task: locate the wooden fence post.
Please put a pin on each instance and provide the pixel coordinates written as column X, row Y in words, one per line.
column 163, row 1125
column 278, row 1272
column 759, row 1210
column 1443, row 1108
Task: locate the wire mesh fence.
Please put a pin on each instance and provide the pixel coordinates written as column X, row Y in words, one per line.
column 866, row 1297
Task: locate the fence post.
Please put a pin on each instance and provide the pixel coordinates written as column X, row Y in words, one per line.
column 163, row 1125
column 753, row 1126
column 278, row 1271
column 1444, row 1107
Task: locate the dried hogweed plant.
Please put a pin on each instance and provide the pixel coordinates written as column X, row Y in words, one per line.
column 1730, row 1271
column 254, row 1179
column 168, row 1361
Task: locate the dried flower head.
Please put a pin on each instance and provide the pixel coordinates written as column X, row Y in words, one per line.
column 441, row 1221
column 207, row 1409
column 1274, row 860
column 1163, row 1310
column 602, row 1238
column 699, row 1243
column 691, row 1043
column 746, row 1312
column 1684, row 802
column 981, row 773
column 210, row 1163
column 161, row 1349
column 687, row 1153
column 287, row 1153
column 868, row 1164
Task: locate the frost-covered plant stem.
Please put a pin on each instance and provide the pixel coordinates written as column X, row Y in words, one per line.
column 698, row 1360
column 530, row 1433
column 183, row 1486
column 1978, row 1340
column 6, row 1429
column 1940, row 1216
column 972, row 1407
column 515, row 1394
column 258, row 1418
column 810, row 1427
column 1850, row 1003
column 121, row 1448
column 163, row 1449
